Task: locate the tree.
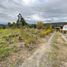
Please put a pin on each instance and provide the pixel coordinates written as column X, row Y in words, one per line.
column 21, row 22
column 13, row 25
column 40, row 25
column 9, row 24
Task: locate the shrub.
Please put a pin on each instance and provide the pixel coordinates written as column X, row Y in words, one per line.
column 40, row 25
column 44, row 32
column 4, row 52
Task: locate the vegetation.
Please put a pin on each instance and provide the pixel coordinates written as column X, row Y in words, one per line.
column 21, row 22
column 40, row 25
column 44, row 32
column 9, row 39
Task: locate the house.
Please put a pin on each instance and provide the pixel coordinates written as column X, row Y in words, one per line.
column 64, row 29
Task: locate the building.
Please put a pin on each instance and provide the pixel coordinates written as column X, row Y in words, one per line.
column 64, row 29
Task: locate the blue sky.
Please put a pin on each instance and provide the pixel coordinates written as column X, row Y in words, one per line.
column 33, row 10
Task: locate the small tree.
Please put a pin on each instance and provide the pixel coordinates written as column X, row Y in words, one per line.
column 9, row 24
column 40, row 25
column 13, row 25
column 21, row 22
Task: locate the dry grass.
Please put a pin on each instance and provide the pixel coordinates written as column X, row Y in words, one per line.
column 58, row 53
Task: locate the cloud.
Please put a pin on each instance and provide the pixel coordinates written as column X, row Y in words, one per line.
column 36, row 17
column 33, row 10
column 28, row 2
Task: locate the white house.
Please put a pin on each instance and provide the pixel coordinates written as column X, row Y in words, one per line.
column 64, row 29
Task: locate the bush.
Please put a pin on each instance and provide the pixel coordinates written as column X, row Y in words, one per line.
column 44, row 32
column 4, row 52
column 40, row 25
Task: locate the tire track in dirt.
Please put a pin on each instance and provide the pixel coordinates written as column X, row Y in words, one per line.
column 57, row 55
column 63, row 36
column 34, row 60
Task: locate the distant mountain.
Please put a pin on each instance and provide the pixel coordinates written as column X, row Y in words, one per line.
column 3, row 25
column 57, row 24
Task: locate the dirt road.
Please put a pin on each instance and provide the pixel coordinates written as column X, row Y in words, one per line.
column 51, row 54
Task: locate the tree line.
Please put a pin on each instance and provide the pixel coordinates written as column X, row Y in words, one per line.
column 20, row 23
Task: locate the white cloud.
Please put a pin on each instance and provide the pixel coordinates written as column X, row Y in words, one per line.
column 37, row 17
column 28, row 2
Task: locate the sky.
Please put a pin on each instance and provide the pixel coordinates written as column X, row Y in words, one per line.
column 33, row 10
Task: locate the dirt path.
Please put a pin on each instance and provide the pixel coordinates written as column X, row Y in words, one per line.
column 51, row 54
column 34, row 60
column 57, row 55
column 63, row 36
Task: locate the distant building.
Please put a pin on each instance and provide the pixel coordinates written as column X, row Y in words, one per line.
column 64, row 29
column 59, row 26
